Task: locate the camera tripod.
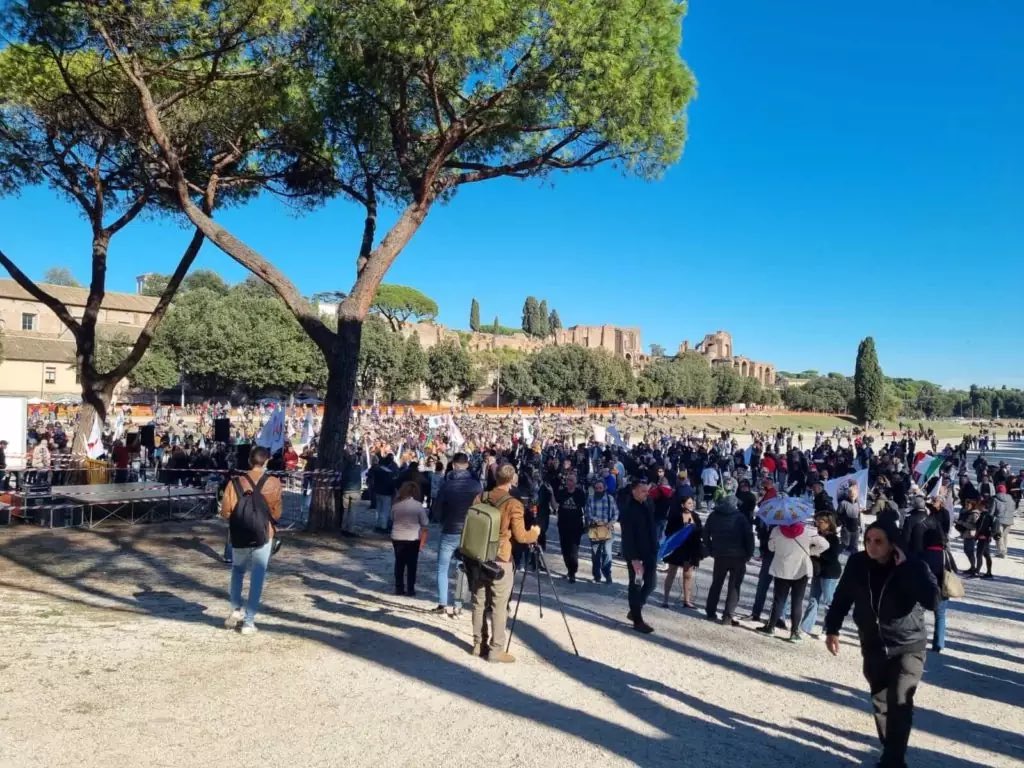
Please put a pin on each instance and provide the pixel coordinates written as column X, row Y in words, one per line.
column 538, row 555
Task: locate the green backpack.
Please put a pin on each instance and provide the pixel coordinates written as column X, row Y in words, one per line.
column 480, row 534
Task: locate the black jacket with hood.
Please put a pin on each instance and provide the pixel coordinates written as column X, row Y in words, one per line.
column 888, row 604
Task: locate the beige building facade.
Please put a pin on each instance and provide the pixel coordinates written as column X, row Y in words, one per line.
column 39, row 351
column 717, row 348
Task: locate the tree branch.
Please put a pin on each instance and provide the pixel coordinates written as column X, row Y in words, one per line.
column 133, row 210
column 149, row 330
column 306, row 315
column 58, row 307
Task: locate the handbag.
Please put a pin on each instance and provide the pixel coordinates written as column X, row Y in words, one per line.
column 952, row 585
column 599, row 532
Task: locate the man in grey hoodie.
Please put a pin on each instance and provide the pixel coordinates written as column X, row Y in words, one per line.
column 1003, row 509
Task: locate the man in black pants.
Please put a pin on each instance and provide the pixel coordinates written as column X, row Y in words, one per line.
column 889, row 593
column 730, row 539
column 639, row 549
column 571, row 500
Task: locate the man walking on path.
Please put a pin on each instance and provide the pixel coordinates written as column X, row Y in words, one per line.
column 251, row 503
column 601, row 515
column 458, row 493
column 639, row 550
column 1003, row 509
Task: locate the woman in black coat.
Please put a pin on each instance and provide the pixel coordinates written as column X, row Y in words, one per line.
column 686, row 556
column 889, row 592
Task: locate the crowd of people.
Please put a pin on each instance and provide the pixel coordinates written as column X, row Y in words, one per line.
column 627, row 486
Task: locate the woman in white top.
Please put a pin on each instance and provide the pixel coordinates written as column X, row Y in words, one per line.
column 409, row 524
column 791, row 567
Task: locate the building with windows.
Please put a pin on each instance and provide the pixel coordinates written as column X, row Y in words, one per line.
column 718, row 350
column 38, row 357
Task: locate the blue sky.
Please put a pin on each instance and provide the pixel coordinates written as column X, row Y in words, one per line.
column 852, row 169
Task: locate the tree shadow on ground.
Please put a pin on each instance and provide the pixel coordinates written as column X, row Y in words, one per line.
column 714, row 732
column 197, row 544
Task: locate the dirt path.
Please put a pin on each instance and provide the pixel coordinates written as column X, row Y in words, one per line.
column 114, row 654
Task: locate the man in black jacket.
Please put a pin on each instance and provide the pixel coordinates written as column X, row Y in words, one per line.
column 912, row 536
column 459, row 492
column 889, row 593
column 730, row 539
column 639, row 549
column 570, row 500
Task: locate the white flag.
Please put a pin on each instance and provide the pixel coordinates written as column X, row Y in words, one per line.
column 202, row 442
column 434, row 422
column 839, row 484
column 599, row 432
column 455, row 434
column 307, row 429
column 613, row 433
column 271, row 436
column 119, row 425
column 94, row 445
column 527, row 432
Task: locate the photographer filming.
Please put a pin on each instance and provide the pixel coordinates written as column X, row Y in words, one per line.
column 492, row 595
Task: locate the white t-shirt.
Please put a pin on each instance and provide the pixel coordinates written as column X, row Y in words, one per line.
column 709, row 476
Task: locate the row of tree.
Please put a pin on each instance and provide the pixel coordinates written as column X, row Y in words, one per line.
column 178, row 108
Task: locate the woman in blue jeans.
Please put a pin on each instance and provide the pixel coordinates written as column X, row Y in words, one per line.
column 827, row 571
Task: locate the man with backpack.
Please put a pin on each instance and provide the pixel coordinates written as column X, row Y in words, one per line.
column 492, row 595
column 251, row 504
column 458, row 493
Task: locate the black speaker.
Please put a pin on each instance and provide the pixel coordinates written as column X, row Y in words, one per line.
column 242, row 456
column 148, row 434
column 222, row 430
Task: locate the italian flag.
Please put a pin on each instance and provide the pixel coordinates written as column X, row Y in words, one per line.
column 927, row 468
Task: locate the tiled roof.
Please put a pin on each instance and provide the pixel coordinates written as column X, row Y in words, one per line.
column 76, row 297
column 44, row 348
column 39, row 349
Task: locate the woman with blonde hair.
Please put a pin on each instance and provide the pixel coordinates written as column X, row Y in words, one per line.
column 407, row 535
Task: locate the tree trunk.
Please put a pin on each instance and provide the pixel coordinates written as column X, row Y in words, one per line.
column 96, row 397
column 342, row 366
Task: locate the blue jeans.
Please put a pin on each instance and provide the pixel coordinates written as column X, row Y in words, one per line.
column 764, row 580
column 661, row 525
column 254, row 559
column 822, row 591
column 445, row 549
column 939, row 636
column 384, row 512
column 601, row 559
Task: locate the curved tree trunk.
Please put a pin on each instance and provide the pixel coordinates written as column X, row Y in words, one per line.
column 96, row 397
column 342, row 366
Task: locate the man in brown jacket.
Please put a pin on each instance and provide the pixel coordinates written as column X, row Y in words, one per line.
column 246, row 556
column 493, row 596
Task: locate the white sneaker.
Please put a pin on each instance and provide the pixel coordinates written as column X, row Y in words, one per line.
column 233, row 620
column 248, row 629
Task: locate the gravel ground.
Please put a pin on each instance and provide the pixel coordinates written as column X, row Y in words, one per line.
column 114, row 654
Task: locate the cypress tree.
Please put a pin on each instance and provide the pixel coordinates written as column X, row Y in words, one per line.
column 542, row 326
column 474, row 316
column 868, row 383
column 530, row 308
column 554, row 322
